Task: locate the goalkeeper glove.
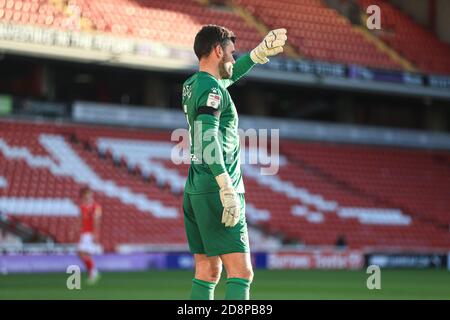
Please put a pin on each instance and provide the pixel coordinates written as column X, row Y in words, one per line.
column 230, row 200
column 271, row 45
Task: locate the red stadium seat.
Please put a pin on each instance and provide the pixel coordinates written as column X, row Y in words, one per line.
column 182, row 19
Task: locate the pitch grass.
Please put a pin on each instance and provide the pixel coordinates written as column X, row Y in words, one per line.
column 268, row 285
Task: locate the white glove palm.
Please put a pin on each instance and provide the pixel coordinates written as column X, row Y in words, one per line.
column 271, row 45
column 230, row 200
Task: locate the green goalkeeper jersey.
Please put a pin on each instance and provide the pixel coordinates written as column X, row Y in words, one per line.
column 213, row 129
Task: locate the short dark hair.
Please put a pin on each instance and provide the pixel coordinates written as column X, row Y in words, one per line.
column 84, row 191
column 210, row 36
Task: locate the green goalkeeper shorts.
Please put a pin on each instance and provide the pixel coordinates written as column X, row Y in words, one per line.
column 205, row 231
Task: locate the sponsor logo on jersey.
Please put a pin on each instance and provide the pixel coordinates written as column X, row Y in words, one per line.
column 213, row 100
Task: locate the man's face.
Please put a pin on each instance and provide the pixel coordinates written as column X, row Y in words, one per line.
column 88, row 197
column 227, row 62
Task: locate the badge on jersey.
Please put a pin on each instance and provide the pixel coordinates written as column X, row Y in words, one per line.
column 213, row 100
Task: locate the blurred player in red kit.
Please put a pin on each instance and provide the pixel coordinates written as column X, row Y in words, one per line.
column 89, row 232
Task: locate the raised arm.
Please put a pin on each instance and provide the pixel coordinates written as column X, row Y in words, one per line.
column 242, row 66
column 271, row 45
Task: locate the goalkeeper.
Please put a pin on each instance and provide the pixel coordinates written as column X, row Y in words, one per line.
column 214, row 204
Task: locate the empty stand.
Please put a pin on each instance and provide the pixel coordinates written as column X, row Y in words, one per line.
column 420, row 46
column 319, row 32
column 409, row 179
column 377, row 197
column 158, row 20
column 315, row 30
column 35, row 12
column 132, row 208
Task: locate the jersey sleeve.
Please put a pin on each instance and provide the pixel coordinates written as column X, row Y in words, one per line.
column 242, row 66
column 209, row 105
column 210, row 100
